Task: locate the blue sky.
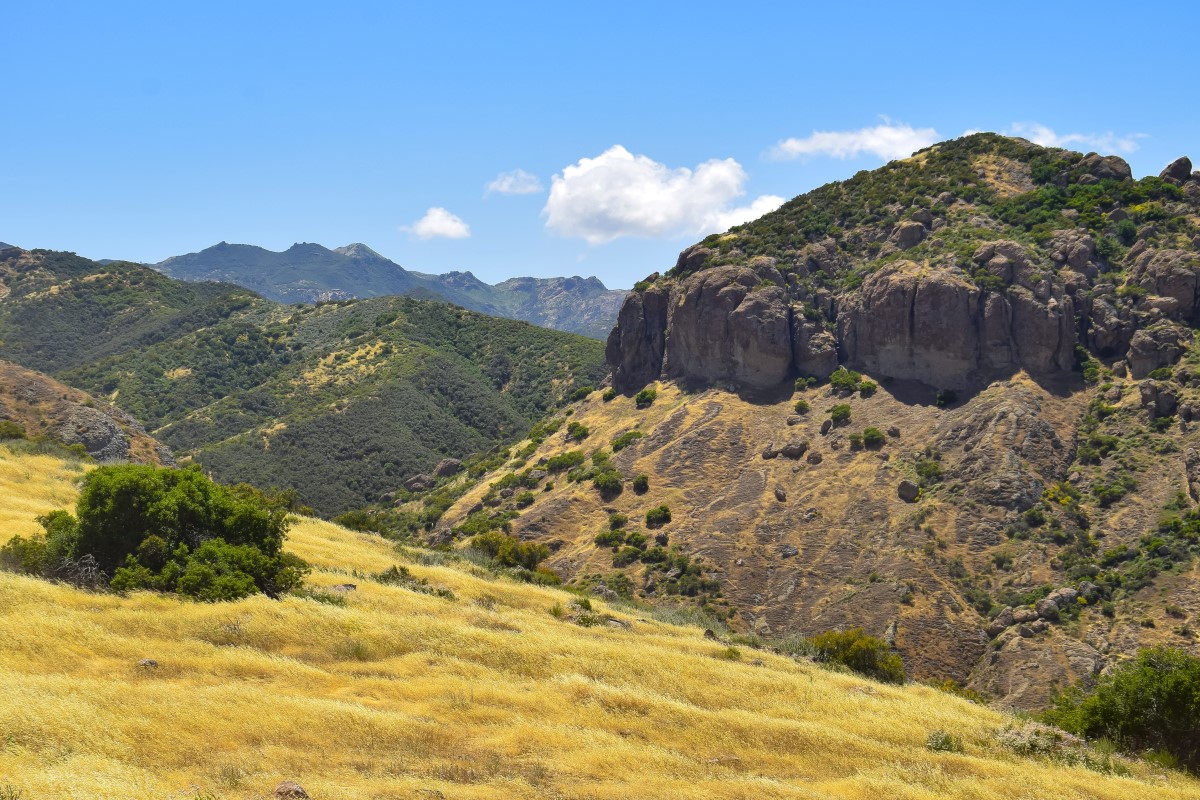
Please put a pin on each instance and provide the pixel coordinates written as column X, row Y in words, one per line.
column 147, row 130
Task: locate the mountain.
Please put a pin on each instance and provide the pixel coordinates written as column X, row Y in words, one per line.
column 4, row 246
column 35, row 407
column 310, row 273
column 952, row 400
column 411, row 673
column 342, row 401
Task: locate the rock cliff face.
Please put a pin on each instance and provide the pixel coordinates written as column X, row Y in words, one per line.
column 950, row 291
column 744, row 326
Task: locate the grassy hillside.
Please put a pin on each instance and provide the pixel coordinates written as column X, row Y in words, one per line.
column 341, row 401
column 401, row 694
column 823, row 540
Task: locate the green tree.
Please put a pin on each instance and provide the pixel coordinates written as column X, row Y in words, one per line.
column 1149, row 703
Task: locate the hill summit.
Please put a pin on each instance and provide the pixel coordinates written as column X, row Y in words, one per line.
column 972, row 260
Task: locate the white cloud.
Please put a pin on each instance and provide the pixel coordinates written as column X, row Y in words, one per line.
column 736, row 216
column 618, row 194
column 1108, row 142
column 887, row 141
column 516, row 182
column 438, row 223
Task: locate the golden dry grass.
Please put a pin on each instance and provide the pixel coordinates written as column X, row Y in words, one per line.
column 401, row 694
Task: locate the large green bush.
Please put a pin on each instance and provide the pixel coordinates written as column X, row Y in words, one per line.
column 866, row 655
column 1151, row 703
column 170, row 530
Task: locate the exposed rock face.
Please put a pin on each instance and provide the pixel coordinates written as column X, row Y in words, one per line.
column 726, row 325
column 447, row 467
column 635, row 346
column 739, row 325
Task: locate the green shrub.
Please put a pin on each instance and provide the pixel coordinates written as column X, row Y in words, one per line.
column 657, row 517
column 609, row 483
column 582, row 392
column 874, row 438
column 616, row 521
column 929, row 472
column 636, row 539
column 641, row 484
column 844, row 380
column 608, row 395
column 840, row 414
column 508, row 551
column 805, row 383
column 646, row 397
column 1149, row 703
column 856, row 441
column 610, row 538
column 565, row 461
column 866, row 655
column 626, row 556
column 802, row 407
column 11, row 430
column 626, row 439
column 941, row 741
column 867, row 388
column 1126, row 231
column 524, row 499
column 577, row 431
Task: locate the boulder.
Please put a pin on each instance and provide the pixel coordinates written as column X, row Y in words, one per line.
column 826, row 426
column 1159, row 345
column 290, row 790
column 787, row 551
column 814, row 458
column 1049, row 606
column 1106, row 167
column 1169, row 273
column 1159, row 397
column 794, row 449
column 908, row 235
column 794, row 419
column 780, row 494
column 538, row 475
column 769, row 452
column 1023, row 615
column 100, row 436
column 1001, row 622
column 908, row 491
column 419, row 483
column 447, row 467
column 1177, row 171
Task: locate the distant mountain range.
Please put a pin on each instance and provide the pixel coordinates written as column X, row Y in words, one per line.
column 309, row 273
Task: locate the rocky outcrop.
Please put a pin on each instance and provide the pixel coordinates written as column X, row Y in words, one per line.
column 1159, row 345
column 44, row 407
column 739, row 324
column 1106, row 167
column 1177, row 171
column 635, row 346
column 1173, row 274
column 730, row 324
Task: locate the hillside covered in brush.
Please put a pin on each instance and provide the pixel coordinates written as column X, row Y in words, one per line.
column 341, row 401
column 310, row 273
column 401, row 672
column 953, row 400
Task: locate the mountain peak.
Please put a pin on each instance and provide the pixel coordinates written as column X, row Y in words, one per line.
column 358, row 250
